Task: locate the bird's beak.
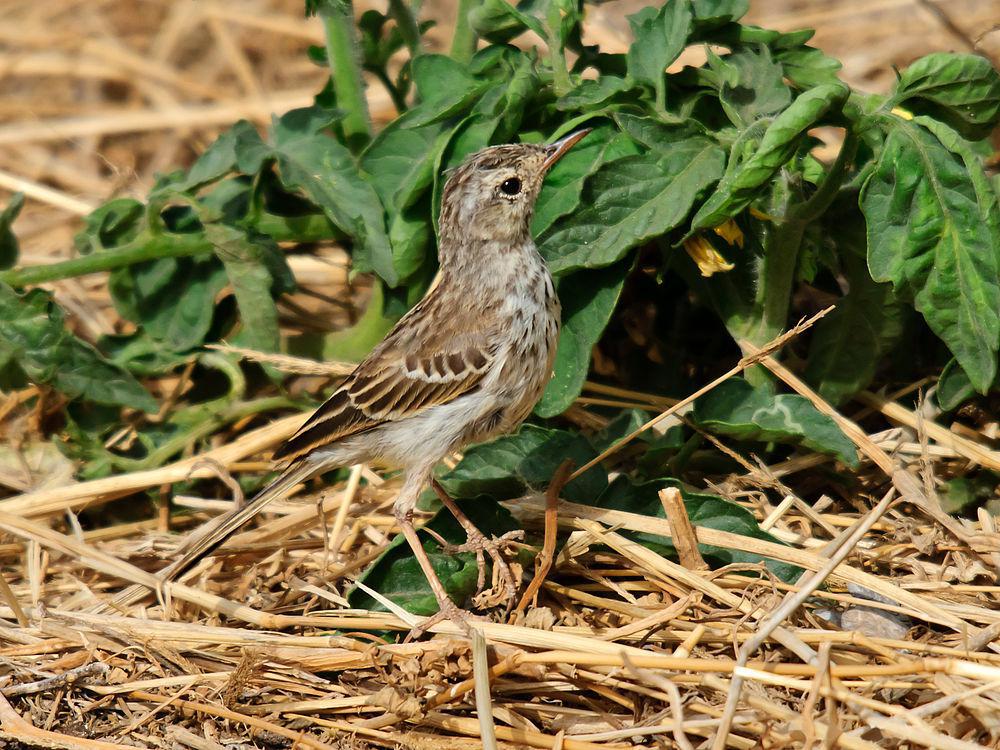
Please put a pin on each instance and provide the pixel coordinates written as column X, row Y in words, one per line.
column 560, row 147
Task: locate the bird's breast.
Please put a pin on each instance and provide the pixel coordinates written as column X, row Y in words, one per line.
column 532, row 332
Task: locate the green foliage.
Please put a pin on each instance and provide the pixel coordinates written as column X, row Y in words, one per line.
column 8, row 242
column 35, row 343
column 961, row 90
column 954, row 387
column 588, row 297
column 172, row 298
column 724, row 141
column 660, row 36
column 743, row 179
column 508, row 466
column 703, row 509
column 738, row 409
column 849, row 344
column 631, row 201
column 934, row 232
column 966, row 493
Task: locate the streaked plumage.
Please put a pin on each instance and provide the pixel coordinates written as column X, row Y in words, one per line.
column 468, row 362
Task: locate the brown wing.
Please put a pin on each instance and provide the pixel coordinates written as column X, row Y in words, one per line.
column 405, row 375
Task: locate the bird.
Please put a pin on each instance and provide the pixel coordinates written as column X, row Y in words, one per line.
column 466, row 364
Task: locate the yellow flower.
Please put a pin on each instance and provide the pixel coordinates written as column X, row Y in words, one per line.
column 706, row 257
column 730, row 232
column 760, row 215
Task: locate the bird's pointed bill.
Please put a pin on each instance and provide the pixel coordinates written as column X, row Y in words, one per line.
column 558, row 149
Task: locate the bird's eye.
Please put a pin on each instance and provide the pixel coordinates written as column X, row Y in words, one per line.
column 510, row 186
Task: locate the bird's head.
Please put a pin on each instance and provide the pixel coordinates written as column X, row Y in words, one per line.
column 492, row 195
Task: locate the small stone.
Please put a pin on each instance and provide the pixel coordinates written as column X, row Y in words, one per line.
column 875, row 623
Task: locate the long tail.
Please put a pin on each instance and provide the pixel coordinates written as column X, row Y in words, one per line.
column 208, row 538
column 216, row 532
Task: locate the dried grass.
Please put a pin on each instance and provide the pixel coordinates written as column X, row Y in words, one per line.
column 618, row 648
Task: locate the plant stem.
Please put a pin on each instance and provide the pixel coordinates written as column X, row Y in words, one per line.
column 144, row 247
column 227, row 413
column 463, row 41
column 557, row 57
column 776, row 275
column 406, row 20
column 830, row 186
column 344, row 57
column 398, row 101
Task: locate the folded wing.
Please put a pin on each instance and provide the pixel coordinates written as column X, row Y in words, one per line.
column 395, row 382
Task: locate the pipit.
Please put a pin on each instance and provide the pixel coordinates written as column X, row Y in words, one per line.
column 467, row 363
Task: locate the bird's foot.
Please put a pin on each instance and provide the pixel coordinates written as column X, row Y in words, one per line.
column 478, row 542
column 448, row 610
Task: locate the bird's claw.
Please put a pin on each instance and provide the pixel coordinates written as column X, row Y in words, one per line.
column 448, row 611
column 477, row 542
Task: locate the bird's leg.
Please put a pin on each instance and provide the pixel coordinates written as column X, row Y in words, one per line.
column 447, row 609
column 478, row 543
column 450, row 548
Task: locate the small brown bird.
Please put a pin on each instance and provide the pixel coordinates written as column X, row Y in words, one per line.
column 467, row 363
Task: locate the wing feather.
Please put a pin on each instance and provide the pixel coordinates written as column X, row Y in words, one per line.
column 389, row 386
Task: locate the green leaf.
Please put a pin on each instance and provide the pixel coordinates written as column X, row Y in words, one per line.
column 737, row 409
column 709, row 511
column 173, row 299
column 962, row 90
column 34, row 337
column 710, row 14
column 627, row 422
column 398, row 577
column 509, row 466
column 933, row 232
column 588, row 298
column 964, row 494
column 592, row 94
column 110, row 225
column 8, row 242
column 564, row 183
column 808, row 67
column 631, row 201
column 777, row 146
column 753, row 85
column 141, row 354
column 326, row 172
column 737, row 35
column 849, row 343
column 954, row 387
column 652, row 132
column 659, row 37
column 400, row 162
column 247, row 258
column 380, row 39
column 236, row 149
column 445, row 89
column 499, row 21
column 520, row 84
